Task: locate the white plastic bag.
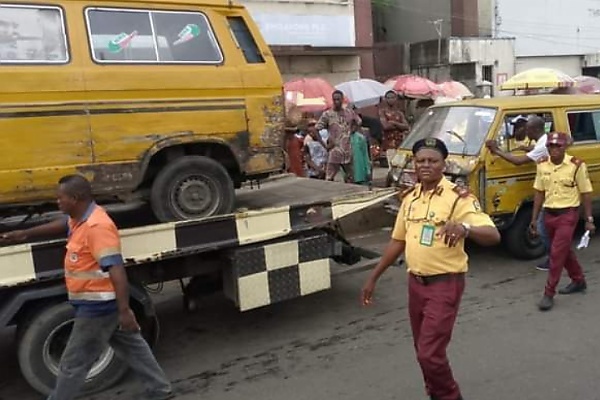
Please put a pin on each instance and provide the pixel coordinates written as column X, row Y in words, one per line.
column 585, row 241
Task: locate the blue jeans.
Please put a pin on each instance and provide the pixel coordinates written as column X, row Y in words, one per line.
column 541, row 228
column 88, row 339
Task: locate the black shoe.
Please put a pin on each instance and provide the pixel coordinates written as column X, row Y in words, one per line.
column 545, row 266
column 574, row 287
column 546, row 303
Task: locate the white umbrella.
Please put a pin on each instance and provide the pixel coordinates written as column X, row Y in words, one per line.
column 363, row 92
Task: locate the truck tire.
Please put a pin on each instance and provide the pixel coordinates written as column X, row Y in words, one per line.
column 42, row 342
column 519, row 242
column 192, row 187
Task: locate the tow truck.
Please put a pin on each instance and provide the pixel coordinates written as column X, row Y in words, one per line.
column 279, row 244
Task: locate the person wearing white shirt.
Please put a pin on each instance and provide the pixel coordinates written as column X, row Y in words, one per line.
column 536, row 131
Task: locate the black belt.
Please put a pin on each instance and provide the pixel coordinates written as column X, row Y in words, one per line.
column 559, row 211
column 428, row 280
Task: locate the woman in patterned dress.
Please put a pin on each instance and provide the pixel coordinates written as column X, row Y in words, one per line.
column 395, row 125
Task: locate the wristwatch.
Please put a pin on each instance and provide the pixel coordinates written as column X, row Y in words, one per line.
column 590, row 219
column 467, row 228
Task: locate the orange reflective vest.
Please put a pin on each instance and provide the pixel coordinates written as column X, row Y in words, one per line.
column 93, row 247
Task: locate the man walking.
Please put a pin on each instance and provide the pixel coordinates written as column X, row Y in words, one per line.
column 561, row 185
column 433, row 221
column 535, row 130
column 337, row 121
column 98, row 290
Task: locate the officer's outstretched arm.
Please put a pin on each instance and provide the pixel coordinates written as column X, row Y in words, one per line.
column 485, row 235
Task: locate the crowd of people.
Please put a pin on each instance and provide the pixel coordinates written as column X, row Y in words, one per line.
column 340, row 139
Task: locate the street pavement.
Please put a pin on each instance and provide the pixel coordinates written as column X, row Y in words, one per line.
column 326, row 346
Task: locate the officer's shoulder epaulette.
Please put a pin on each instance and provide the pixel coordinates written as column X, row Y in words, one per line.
column 461, row 191
column 576, row 161
column 542, row 160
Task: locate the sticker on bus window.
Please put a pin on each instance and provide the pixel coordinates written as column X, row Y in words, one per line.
column 188, row 33
column 121, row 42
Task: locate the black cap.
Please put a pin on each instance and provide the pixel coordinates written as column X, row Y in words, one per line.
column 433, row 144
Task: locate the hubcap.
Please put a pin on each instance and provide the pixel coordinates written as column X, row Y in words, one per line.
column 195, row 196
column 55, row 345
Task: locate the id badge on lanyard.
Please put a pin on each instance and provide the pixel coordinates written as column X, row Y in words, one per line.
column 427, row 235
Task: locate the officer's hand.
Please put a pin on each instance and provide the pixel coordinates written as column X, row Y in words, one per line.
column 452, row 233
column 13, row 237
column 367, row 293
column 127, row 321
column 533, row 229
column 589, row 226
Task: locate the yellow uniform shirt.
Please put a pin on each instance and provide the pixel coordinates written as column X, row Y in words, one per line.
column 422, row 210
column 514, row 143
column 559, row 183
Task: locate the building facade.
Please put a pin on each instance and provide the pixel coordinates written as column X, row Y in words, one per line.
column 553, row 34
column 317, row 37
column 426, row 37
column 471, row 61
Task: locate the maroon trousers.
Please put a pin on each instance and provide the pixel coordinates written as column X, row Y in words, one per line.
column 560, row 230
column 433, row 310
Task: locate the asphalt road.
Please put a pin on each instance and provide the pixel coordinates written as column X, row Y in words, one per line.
column 326, row 346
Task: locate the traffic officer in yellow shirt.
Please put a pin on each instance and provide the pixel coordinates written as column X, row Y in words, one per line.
column 561, row 185
column 433, row 222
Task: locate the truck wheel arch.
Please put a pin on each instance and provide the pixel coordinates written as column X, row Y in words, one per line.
column 232, row 155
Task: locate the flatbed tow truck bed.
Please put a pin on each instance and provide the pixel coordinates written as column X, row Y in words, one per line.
column 278, row 245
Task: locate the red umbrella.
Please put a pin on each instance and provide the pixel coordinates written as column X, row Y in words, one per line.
column 454, row 90
column 413, row 86
column 587, row 84
column 309, row 94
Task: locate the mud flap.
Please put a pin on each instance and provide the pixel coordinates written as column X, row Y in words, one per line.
column 260, row 275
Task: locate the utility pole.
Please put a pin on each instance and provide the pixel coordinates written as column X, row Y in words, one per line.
column 437, row 24
column 497, row 19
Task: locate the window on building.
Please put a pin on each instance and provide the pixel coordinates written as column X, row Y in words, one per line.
column 487, row 74
column 584, row 125
column 137, row 36
column 245, row 40
column 32, row 34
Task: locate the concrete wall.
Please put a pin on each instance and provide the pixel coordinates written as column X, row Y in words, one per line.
column 465, row 18
column 486, row 17
column 363, row 21
column 570, row 65
column 464, row 60
column 391, row 59
column 497, row 53
column 334, row 69
column 408, row 21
